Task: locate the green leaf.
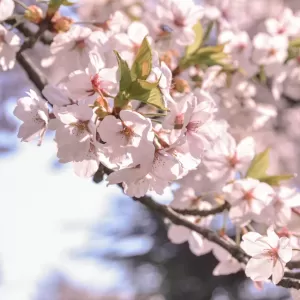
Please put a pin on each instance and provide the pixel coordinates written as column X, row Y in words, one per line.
column 125, row 75
column 147, row 85
column 67, row 3
column 295, row 43
column 259, row 165
column 198, row 39
column 152, row 97
column 142, row 64
column 276, row 179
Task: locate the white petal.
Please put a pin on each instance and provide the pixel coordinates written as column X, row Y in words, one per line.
column 278, row 271
column 259, row 269
column 285, row 250
column 178, row 234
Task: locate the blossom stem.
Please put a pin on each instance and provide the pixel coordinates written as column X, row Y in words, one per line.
column 21, row 4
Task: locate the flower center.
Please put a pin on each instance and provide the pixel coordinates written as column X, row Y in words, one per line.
column 272, row 254
column 179, row 120
column 272, row 52
column 179, row 21
column 194, row 126
column 281, row 30
column 96, row 83
column 248, row 196
column 233, row 160
column 241, row 47
column 80, row 44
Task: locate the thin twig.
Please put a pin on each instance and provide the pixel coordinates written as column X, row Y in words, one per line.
column 203, row 213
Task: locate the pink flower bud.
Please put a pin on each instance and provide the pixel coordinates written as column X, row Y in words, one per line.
column 34, row 14
column 62, row 24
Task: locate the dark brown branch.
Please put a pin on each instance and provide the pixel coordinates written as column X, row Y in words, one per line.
column 29, row 30
column 31, row 40
column 34, row 73
column 293, row 265
column 178, row 219
column 203, row 213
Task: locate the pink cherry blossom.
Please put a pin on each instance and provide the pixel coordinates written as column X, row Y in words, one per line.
column 285, row 199
column 9, row 46
column 90, row 163
column 239, row 46
column 180, row 17
column 185, row 198
column 6, row 9
column 74, row 135
column 198, row 245
column 270, row 52
column 269, row 255
column 126, row 136
column 248, row 197
column 33, row 111
column 226, row 158
column 70, row 50
column 128, row 44
column 227, row 263
column 95, row 81
column 285, row 24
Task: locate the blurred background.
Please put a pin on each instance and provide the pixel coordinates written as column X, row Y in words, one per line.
column 66, row 238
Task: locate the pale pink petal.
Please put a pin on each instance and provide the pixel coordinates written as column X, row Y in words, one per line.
column 178, row 234
column 259, row 269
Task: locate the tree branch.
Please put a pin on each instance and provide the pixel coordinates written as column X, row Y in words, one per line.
column 34, row 73
column 203, row 213
column 210, row 235
column 293, row 265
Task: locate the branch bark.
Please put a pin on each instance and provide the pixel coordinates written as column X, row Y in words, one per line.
column 203, row 213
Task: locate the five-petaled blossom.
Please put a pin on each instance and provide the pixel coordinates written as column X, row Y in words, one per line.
column 33, row 111
column 269, row 255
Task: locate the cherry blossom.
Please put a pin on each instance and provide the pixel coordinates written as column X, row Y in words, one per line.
column 74, row 134
column 126, row 136
column 198, row 245
column 248, row 197
column 180, row 17
column 239, row 46
column 285, row 199
column 70, row 50
column 9, row 46
column 270, row 52
column 128, row 44
column 227, row 263
column 95, row 81
column 33, row 111
column 226, row 158
column 6, row 9
column 285, row 24
column 269, row 255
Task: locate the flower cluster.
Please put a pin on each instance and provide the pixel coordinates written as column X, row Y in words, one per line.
column 156, row 103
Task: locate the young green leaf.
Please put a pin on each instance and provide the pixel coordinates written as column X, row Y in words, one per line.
column 149, row 96
column 125, row 75
column 198, row 39
column 259, row 165
column 276, row 179
column 142, row 64
column 148, row 85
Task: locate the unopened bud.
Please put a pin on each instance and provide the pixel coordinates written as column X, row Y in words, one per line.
column 181, row 85
column 62, row 24
column 33, row 14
